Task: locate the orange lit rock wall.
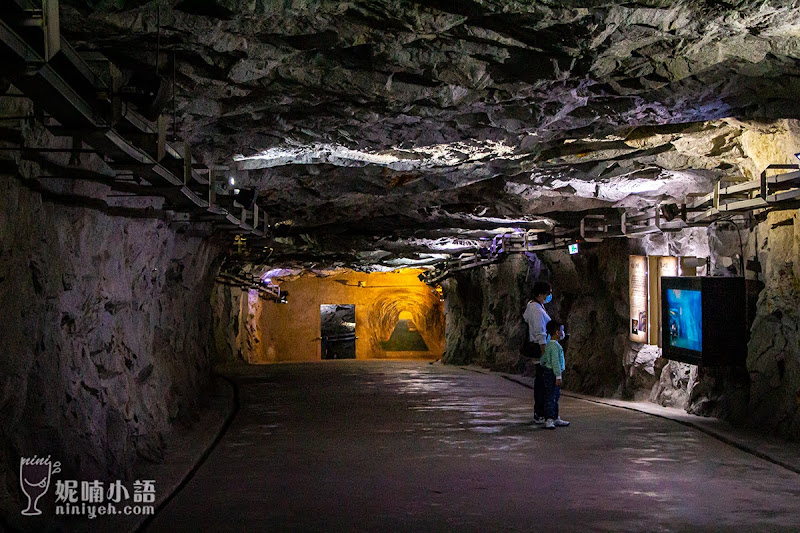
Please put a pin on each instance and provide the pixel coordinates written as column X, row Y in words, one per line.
column 291, row 331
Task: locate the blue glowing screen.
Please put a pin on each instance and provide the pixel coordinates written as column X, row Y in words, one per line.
column 685, row 326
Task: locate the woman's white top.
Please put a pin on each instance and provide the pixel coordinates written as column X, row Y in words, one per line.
column 537, row 319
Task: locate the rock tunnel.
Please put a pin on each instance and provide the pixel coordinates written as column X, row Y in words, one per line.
column 186, row 185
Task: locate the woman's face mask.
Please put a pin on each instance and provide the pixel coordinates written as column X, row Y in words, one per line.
column 548, row 299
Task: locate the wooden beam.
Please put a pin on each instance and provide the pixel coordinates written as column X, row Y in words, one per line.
column 744, row 205
column 783, row 196
column 740, row 188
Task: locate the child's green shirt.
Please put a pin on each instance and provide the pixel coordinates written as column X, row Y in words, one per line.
column 553, row 358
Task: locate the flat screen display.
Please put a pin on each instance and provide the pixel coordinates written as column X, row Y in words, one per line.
column 685, row 328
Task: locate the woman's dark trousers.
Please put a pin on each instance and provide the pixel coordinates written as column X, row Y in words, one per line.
column 539, row 392
column 552, row 394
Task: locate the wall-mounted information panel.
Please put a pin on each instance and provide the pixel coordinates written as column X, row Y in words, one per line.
column 644, row 291
column 637, row 291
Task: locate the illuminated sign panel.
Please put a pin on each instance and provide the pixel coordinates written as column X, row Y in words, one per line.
column 637, row 291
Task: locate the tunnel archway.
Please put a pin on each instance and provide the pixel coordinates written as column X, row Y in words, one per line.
column 405, row 337
column 416, row 313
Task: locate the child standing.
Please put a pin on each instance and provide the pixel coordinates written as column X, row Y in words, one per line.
column 553, row 366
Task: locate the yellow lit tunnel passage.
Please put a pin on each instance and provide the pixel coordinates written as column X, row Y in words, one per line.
column 396, row 316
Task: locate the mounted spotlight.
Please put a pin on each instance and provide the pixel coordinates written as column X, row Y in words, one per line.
column 670, row 211
column 246, row 197
column 753, row 265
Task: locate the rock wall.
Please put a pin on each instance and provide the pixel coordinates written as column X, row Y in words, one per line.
column 484, row 313
column 592, row 295
column 235, row 314
column 483, row 310
column 484, row 324
column 773, row 360
column 106, row 330
column 765, row 394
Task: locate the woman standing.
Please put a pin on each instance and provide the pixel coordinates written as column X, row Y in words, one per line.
column 537, row 318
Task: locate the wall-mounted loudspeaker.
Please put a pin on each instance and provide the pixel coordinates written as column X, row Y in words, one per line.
column 149, row 92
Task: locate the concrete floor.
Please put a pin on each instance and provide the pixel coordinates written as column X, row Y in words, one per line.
column 411, row 446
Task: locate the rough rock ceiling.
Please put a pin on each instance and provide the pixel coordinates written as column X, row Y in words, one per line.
column 387, row 125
